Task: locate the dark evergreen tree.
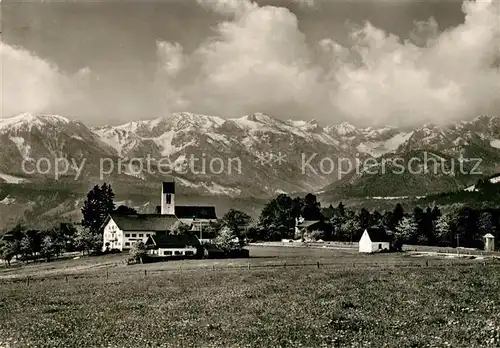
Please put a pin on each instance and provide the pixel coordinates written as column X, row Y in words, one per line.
column 396, row 217
column 436, row 213
column 377, row 218
column 97, row 206
column 365, row 219
column 312, row 208
column 341, row 209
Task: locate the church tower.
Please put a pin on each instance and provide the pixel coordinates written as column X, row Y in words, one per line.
column 168, row 198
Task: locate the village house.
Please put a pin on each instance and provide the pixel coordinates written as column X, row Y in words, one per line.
column 163, row 245
column 121, row 232
column 375, row 240
column 304, row 228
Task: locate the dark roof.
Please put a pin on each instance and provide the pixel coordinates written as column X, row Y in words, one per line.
column 197, row 212
column 379, row 235
column 145, row 222
column 164, row 240
column 169, row 187
column 308, row 223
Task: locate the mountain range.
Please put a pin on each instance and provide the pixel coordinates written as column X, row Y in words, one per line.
column 255, row 156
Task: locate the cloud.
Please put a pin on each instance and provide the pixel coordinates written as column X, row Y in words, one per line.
column 28, row 82
column 31, row 84
column 451, row 78
column 234, row 7
column 259, row 60
column 306, row 3
column 171, row 57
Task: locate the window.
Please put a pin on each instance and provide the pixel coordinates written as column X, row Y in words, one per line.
column 178, row 252
column 169, row 198
column 127, row 244
column 134, row 235
column 189, row 252
column 141, row 235
column 127, row 234
column 167, row 253
column 380, row 246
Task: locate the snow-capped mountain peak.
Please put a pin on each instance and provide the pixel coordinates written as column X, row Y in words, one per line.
column 28, row 120
column 344, row 129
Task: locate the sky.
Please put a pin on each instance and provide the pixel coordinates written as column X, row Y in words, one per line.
column 367, row 62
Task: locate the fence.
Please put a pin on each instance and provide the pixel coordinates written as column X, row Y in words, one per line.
column 384, row 265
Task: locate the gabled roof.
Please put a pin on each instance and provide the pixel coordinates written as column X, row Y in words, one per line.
column 144, row 222
column 164, row 240
column 308, row 223
column 196, row 212
column 378, row 235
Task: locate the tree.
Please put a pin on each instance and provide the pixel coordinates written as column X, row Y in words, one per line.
column 48, row 247
column 8, row 250
column 364, row 218
column 253, row 232
column 86, row 241
column 436, row 212
column 465, row 227
column 396, row 216
column 341, row 209
column 314, row 235
column 485, row 223
column 25, row 247
column 350, row 229
column 97, row 206
column 138, row 251
column 182, row 229
column 212, row 230
column 280, row 215
column 377, row 218
column 124, row 210
column 443, row 229
column 66, row 236
column 236, row 221
column 405, row 231
column 311, row 209
column 227, row 240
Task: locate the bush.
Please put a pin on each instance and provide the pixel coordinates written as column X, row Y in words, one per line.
column 138, row 252
column 314, row 235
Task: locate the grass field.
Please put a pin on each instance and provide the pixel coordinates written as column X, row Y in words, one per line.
column 283, row 299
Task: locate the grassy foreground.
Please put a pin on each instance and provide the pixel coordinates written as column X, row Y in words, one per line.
column 290, row 307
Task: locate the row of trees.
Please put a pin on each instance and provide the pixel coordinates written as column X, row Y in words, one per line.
column 29, row 244
column 429, row 226
column 32, row 245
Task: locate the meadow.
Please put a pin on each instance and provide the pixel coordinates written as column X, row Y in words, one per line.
column 278, row 298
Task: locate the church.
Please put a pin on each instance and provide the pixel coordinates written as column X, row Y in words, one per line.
column 121, row 232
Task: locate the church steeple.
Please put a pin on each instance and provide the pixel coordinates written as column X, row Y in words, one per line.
column 168, row 198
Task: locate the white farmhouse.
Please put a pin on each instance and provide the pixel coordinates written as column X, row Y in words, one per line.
column 121, row 232
column 374, row 240
column 163, row 245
